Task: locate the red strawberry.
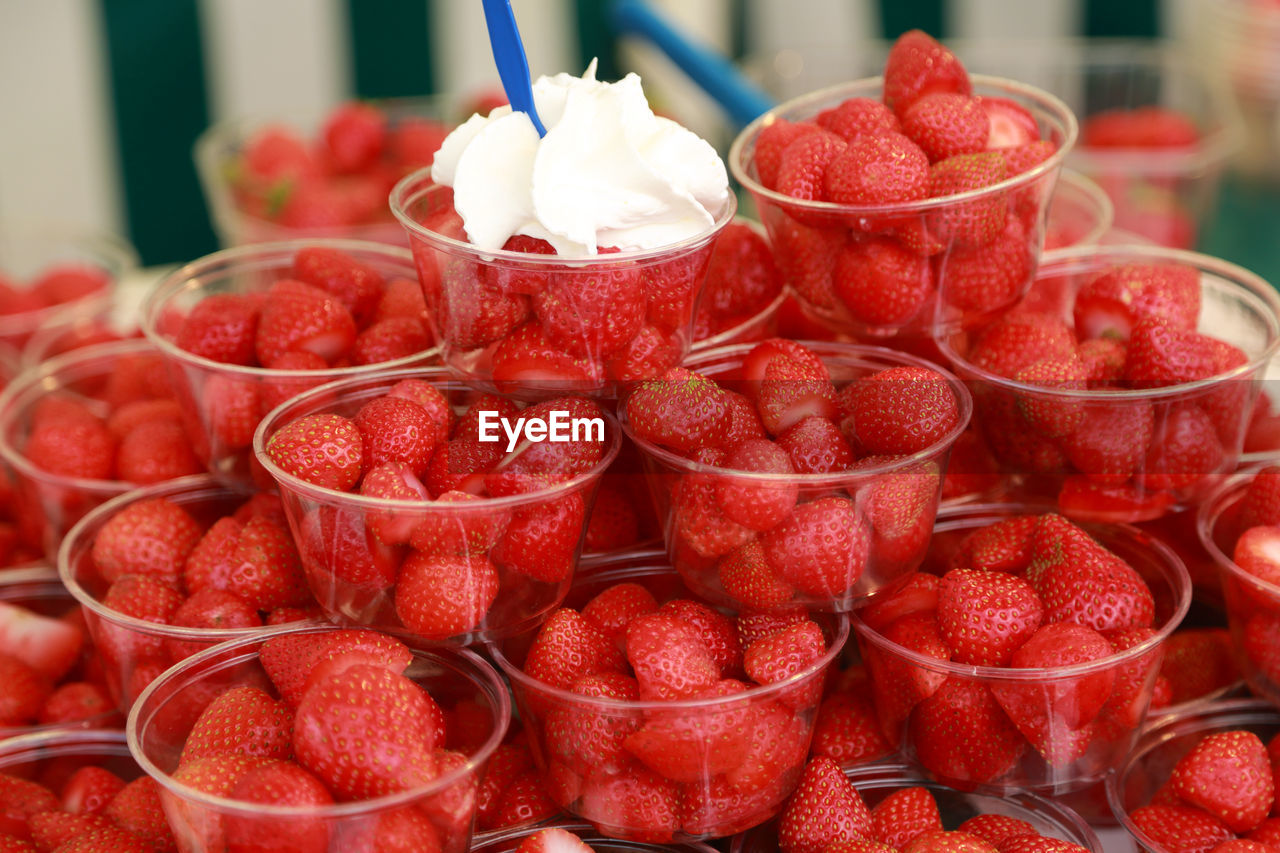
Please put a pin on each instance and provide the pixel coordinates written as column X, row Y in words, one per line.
column 1162, row 354
column 75, row 702
column 1103, row 361
column 568, row 647
column 1197, row 662
column 1085, row 499
column 51, row 830
column 688, row 746
column 904, row 814
column 714, row 628
column 1038, row 844
column 267, row 571
column 299, row 317
column 366, row 733
column 772, row 763
column 872, row 170
column 1110, row 305
column 635, row 804
column 790, row 392
column 526, row 356
column 1228, row 774
column 279, row 784
column 997, row 828
column 846, row 730
column 541, row 541
column 1018, row 340
column 748, row 577
column 821, row 549
column 142, row 598
column 156, row 451
column 614, row 523
column 774, row 139
column 902, row 410
column 1139, row 127
column 357, row 286
column 816, row 446
column 1009, row 125
column 669, row 657
column 151, row 537
column 324, row 450
column 354, row 135
column 48, row 645
column 804, row 164
column 987, row 277
column 210, row 608
column 916, row 66
column 1049, row 414
column 395, row 429
column 583, row 737
column 762, row 501
column 945, row 124
column 460, row 465
column 243, row 721
column 698, row 519
column 290, row 659
column 960, row 734
column 1180, row 829
column 1261, row 504
column 985, row 616
column 442, row 596
column 880, row 282
column 221, row 327
column 1257, row 552
column 553, row 840
column 391, row 339
column 715, row 808
column 1110, row 443
column 592, row 311
column 680, row 410
column 90, row 789
column 970, row 223
column 785, row 654
column 824, row 810
column 919, row 594
column 1184, row 450
column 612, row 609
column 1005, row 546
column 854, row 117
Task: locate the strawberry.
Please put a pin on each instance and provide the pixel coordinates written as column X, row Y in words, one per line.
column 918, row 594
column 1111, row 441
column 790, row 392
column 48, row 645
column 960, row 734
column 1179, row 828
column 985, row 616
column 472, row 315
column 821, row 549
column 1005, row 546
column 750, row 579
column 432, row 401
column 1139, row 127
column 874, row 170
column 298, row 317
column 1197, row 662
column 1009, row 124
column 267, row 571
column 854, row 117
column 691, row 745
column 1162, row 354
column 460, row 465
column 90, row 789
column 366, row 732
column 541, row 541
column 774, row 139
column 151, row 537
column 354, row 135
column 1112, row 303
column 969, row 223
column 509, row 761
column 1103, row 360
column 438, row 597
column 899, row 684
column 592, row 311
column 945, row 124
column 803, row 168
column 716, row 807
column 816, row 446
column 903, row 410
column 680, row 410
column 1257, row 552
column 141, row 597
column 357, row 286
column 715, row 629
column 553, row 840
column 846, row 731
column 698, row 519
column 210, row 608
column 51, row 830
column 1051, row 415
column 1184, row 450
column 881, row 283
column 1261, row 504
column 916, row 66
column 669, row 657
column 568, row 647
column 390, row 340
column 583, row 737
column 76, row 702
column 1228, row 774
column 1038, row 844
column 280, row 784
column 785, row 654
column 635, row 804
column 772, row 763
column 1085, row 499
column 614, row 523
column 612, row 609
column 1018, row 340
column 396, row 429
column 759, row 502
column 987, row 277
column 324, row 450
column 156, row 451
column 903, row 815
column 824, row 810
column 221, row 327
column 244, row 721
column 290, row 659
column 107, row 838
column 527, row 356
column 997, row 828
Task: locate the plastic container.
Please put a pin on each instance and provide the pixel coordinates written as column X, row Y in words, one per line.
column 711, row 331
column 1236, row 304
column 38, row 589
column 163, row 717
column 1163, row 744
column 1252, row 604
column 371, row 583
column 507, row 842
column 1043, row 753
column 47, row 503
column 29, row 249
column 892, row 550
column 1080, row 213
column 1050, row 818
column 701, row 751
column 224, row 402
column 802, row 231
column 486, row 322
column 133, row 651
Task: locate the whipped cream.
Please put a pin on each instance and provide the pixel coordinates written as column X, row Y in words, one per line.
column 608, row 173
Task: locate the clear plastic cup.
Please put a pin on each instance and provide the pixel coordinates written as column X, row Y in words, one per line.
column 892, row 551
column 1080, row 213
column 29, row 249
column 710, row 331
column 1042, row 753
column 47, row 503
column 359, row 579
column 1049, row 818
column 223, row 403
column 802, row 231
column 39, row 590
column 493, row 333
column 508, row 841
column 134, row 651
column 1236, row 304
column 1162, row 744
column 719, row 747
column 1252, row 604
column 165, row 713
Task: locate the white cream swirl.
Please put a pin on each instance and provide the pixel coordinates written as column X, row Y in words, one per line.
column 608, row 173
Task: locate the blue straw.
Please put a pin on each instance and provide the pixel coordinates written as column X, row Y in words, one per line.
column 509, row 56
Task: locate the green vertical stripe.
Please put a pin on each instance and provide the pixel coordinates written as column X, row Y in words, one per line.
column 1129, row 19
column 391, row 47
column 596, row 38
column 156, row 65
column 739, row 27
column 898, row 16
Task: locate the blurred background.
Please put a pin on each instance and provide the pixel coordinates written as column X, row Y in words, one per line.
column 103, row 99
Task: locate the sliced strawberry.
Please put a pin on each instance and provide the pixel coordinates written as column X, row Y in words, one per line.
column 289, row 660
column 1009, row 125
column 357, row 286
column 50, row 646
column 1111, row 304
column 298, row 317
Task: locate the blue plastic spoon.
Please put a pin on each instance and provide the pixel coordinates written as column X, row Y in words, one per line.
column 509, row 56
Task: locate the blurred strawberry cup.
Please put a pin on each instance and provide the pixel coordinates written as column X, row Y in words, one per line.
column 331, row 738
column 791, row 473
column 1201, row 779
column 53, row 275
column 87, row 426
column 165, row 571
column 658, row 718
column 1025, row 653
column 1123, row 384
column 424, row 507
column 909, row 204
column 1080, row 213
column 243, row 330
column 78, row 791
column 578, row 264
